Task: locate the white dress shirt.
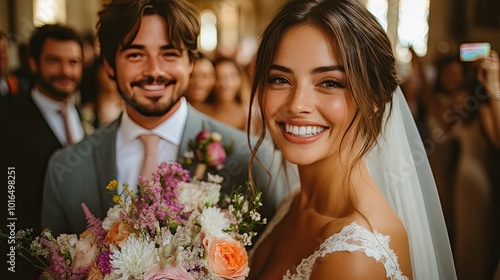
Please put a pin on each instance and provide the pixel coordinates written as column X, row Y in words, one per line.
column 130, row 150
column 50, row 110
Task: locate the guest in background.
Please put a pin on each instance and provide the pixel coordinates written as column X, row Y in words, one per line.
column 36, row 124
column 488, row 75
column 101, row 102
column 90, row 48
column 226, row 102
column 10, row 84
column 416, row 89
column 89, row 88
column 109, row 102
column 23, row 72
column 201, row 83
column 464, row 159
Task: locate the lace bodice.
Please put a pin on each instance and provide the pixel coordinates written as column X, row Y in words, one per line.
column 352, row 238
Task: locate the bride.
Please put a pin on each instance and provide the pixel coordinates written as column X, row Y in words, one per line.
column 367, row 206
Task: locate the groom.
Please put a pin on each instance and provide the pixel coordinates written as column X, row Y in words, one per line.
column 148, row 49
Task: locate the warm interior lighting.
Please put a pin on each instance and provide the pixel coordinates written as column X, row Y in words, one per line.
column 412, row 24
column 208, row 36
column 49, row 11
column 379, row 9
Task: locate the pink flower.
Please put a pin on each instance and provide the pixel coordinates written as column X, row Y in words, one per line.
column 227, row 258
column 168, row 273
column 202, row 135
column 215, row 154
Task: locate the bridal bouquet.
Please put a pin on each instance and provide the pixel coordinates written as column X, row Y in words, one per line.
column 174, row 227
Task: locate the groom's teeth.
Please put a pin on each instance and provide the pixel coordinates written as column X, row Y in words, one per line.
column 303, row 131
column 154, row 87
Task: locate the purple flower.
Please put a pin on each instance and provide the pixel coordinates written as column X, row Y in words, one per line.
column 158, row 203
column 104, row 262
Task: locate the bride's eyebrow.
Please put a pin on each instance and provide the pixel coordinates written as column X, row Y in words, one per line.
column 280, row 68
column 322, row 69
column 317, row 70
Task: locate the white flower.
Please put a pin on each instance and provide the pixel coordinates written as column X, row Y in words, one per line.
column 216, row 137
column 37, row 248
column 214, row 178
column 189, row 154
column 136, row 257
column 112, row 216
column 255, row 215
column 212, row 222
column 67, row 242
column 195, row 196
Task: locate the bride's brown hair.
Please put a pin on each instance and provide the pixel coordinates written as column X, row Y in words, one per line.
column 367, row 59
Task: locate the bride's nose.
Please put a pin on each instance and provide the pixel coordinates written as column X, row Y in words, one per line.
column 301, row 100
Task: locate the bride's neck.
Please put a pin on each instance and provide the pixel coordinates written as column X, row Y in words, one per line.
column 323, row 186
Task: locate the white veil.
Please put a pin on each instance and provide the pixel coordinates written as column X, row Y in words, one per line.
column 399, row 166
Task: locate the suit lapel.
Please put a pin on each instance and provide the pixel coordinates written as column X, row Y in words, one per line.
column 105, row 162
column 42, row 122
column 191, row 129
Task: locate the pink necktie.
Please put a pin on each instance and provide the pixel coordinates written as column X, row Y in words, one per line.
column 150, row 161
column 67, row 125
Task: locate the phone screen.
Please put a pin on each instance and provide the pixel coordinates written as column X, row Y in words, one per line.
column 473, row 51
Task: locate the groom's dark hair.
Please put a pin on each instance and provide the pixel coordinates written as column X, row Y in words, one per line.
column 119, row 23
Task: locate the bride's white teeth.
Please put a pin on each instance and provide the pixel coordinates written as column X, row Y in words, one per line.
column 154, row 87
column 303, row 131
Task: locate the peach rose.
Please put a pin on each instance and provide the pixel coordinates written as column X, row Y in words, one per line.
column 85, row 252
column 118, row 234
column 227, row 258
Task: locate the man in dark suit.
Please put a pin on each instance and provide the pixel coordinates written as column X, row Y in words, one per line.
column 33, row 127
column 148, row 49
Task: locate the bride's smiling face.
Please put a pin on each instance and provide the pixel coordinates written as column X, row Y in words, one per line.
column 307, row 105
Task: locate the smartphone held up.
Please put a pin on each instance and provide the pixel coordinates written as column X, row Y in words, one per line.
column 473, row 51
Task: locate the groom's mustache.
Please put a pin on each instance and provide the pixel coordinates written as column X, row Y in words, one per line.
column 150, row 79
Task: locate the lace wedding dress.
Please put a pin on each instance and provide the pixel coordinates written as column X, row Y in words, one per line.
column 352, row 238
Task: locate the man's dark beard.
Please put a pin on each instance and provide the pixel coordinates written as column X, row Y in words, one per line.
column 47, row 87
column 149, row 112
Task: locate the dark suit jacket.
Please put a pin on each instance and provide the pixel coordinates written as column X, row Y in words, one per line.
column 26, row 144
column 79, row 174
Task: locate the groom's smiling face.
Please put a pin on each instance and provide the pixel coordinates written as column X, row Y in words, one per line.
column 151, row 74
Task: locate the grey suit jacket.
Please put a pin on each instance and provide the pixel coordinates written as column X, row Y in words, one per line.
column 79, row 173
